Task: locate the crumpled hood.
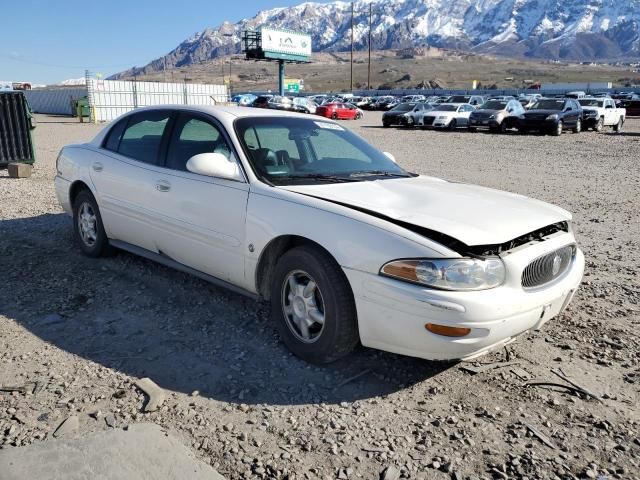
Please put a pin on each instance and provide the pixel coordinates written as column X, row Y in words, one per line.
column 471, row 214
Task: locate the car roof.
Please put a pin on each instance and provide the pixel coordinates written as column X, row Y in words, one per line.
column 226, row 111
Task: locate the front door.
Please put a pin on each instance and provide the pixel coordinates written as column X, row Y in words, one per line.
column 203, row 217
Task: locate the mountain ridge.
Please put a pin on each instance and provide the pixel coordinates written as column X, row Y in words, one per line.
column 573, row 30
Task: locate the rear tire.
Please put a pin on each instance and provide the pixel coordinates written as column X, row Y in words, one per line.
column 618, row 126
column 334, row 115
column 293, row 303
column 578, row 127
column 88, row 227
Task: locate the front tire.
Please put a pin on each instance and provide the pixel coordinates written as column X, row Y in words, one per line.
column 452, row 124
column 88, row 227
column 599, row 125
column 559, row 128
column 312, row 305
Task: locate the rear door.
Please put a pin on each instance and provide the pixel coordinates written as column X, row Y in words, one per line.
column 572, row 113
column 202, row 218
column 125, row 177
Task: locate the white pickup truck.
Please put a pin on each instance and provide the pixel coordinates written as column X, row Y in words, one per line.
column 601, row 112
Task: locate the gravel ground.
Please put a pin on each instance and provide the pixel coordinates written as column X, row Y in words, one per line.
column 77, row 333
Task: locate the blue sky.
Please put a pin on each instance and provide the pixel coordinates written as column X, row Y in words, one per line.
column 51, row 40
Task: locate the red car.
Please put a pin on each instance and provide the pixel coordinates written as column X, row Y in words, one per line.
column 339, row 111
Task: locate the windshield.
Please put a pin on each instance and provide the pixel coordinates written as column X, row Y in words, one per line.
column 446, row 108
column 458, row 99
column 493, row 105
column 285, row 151
column 548, row 104
column 590, row 102
column 403, row 107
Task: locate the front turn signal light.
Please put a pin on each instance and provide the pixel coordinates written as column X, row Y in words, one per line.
column 447, row 331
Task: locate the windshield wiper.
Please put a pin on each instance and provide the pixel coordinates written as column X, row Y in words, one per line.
column 379, row 173
column 313, row 176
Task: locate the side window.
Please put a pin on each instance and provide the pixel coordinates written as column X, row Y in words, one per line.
column 115, row 134
column 143, row 135
column 192, row 136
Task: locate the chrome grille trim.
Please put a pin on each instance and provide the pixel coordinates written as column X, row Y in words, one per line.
column 541, row 272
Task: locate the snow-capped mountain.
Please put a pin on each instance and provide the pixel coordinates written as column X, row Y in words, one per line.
column 558, row 29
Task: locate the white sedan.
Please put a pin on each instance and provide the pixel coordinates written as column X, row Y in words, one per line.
column 449, row 115
column 346, row 245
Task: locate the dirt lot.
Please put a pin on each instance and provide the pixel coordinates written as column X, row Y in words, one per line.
column 85, row 330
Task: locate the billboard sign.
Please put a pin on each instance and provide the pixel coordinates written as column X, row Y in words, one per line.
column 293, row 85
column 284, row 44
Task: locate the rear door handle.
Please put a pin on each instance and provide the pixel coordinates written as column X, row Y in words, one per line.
column 97, row 167
column 163, row 186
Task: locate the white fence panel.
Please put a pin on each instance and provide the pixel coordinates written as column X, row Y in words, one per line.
column 111, row 98
column 54, row 100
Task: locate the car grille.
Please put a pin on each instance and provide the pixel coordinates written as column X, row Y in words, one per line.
column 536, row 116
column 482, row 116
column 549, row 267
column 429, row 120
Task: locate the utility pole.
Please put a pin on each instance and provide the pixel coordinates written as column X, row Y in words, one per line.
column 351, row 84
column 369, row 66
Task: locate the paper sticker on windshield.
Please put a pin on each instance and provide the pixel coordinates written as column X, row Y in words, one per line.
column 329, row 126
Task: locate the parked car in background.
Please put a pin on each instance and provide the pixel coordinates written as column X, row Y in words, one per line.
column 412, row 98
column 504, row 98
column 632, row 107
column 399, row 115
column 262, row 101
column 417, row 114
column 339, row 111
column 475, row 100
column 576, row 94
column 304, row 105
column 460, row 270
column 598, row 113
column 496, row 115
column 448, row 115
column 244, row 100
column 552, row 115
column 280, row 103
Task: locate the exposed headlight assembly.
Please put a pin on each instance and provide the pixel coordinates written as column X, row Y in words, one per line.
column 448, row 273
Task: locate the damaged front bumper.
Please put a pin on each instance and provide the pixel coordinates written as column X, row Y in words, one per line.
column 392, row 314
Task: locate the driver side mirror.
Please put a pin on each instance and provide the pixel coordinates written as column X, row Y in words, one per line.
column 214, row 165
column 390, row 157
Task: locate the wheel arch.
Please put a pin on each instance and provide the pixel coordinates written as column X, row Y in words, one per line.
column 77, row 187
column 269, row 256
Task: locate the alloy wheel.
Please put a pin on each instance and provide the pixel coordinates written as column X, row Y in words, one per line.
column 87, row 224
column 303, row 306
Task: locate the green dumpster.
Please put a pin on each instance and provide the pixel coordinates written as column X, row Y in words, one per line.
column 16, row 123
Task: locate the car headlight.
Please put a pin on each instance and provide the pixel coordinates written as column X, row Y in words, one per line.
column 441, row 118
column 553, row 117
column 448, row 273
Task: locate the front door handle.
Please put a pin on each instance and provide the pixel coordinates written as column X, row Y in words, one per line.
column 97, row 167
column 163, row 186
